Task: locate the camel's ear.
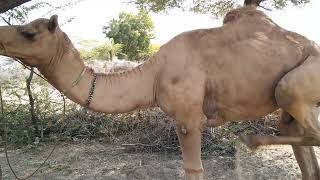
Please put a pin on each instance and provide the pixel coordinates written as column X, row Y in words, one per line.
column 53, row 23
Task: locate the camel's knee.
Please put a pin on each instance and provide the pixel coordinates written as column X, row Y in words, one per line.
column 189, row 139
column 187, row 129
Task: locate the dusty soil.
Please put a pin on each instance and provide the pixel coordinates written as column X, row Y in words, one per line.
column 95, row 160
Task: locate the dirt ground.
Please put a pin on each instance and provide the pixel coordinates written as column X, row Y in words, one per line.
column 98, row 160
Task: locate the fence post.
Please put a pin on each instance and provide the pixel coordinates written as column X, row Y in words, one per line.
column 2, row 116
column 34, row 119
column 1, row 102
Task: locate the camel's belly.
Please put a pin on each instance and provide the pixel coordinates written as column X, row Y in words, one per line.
column 247, row 93
column 240, row 106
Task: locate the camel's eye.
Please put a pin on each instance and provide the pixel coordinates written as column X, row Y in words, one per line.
column 28, row 35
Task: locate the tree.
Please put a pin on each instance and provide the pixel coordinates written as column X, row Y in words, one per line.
column 5, row 5
column 134, row 32
column 19, row 15
column 216, row 7
column 105, row 51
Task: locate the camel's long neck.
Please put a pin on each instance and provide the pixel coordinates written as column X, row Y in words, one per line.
column 114, row 93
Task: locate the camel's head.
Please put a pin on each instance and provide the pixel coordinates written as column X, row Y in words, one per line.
column 36, row 43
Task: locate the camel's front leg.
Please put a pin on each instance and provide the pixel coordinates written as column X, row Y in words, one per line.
column 189, row 134
column 182, row 99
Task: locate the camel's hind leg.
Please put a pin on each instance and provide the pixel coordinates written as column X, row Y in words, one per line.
column 298, row 93
column 305, row 155
column 292, row 133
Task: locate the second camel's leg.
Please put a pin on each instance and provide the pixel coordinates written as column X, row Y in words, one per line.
column 305, row 155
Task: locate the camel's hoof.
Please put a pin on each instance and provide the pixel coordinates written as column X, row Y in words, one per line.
column 249, row 141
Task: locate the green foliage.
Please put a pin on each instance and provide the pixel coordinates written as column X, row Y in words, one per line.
column 280, row 4
column 215, row 7
column 17, row 114
column 105, row 51
column 158, row 5
column 19, row 15
column 134, row 32
column 153, row 48
column 49, row 106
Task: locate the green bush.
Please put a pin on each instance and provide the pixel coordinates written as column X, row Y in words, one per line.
column 153, row 48
column 134, row 32
column 105, row 51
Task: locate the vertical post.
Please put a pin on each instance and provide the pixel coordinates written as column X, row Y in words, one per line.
column 1, row 103
column 0, row 173
column 31, row 102
column 2, row 116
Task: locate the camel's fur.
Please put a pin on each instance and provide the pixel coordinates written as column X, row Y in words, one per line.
column 245, row 69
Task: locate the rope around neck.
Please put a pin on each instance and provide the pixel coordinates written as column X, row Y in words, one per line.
column 76, row 82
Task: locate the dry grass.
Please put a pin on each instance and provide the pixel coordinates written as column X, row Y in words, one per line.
column 157, row 134
column 151, row 131
column 148, row 131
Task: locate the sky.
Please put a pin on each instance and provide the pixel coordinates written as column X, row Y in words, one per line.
column 91, row 15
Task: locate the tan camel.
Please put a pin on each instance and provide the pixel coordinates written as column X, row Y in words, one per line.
column 243, row 70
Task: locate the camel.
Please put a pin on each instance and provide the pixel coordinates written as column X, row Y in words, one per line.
column 243, row 70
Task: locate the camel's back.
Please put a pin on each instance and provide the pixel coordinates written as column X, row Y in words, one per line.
column 244, row 60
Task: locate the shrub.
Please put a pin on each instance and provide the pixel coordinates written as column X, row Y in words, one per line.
column 133, row 31
column 105, row 51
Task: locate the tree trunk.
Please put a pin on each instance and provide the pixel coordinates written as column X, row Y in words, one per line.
column 1, row 103
column 252, row 2
column 5, row 5
column 111, row 55
column 34, row 118
column 0, row 173
column 1, row 119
